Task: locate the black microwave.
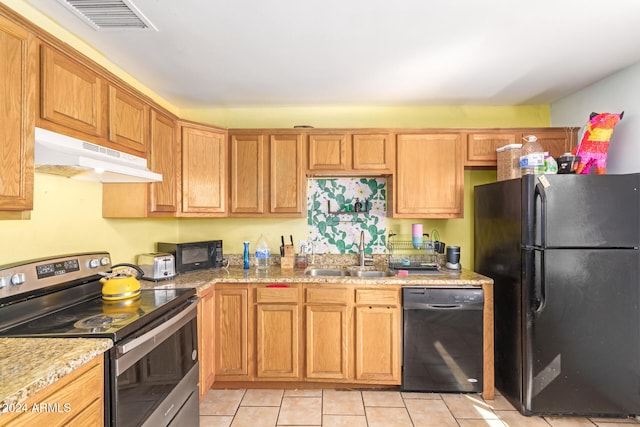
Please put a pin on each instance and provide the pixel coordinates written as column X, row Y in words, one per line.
column 194, row 256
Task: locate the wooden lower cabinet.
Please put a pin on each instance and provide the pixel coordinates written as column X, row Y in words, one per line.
column 377, row 337
column 232, row 333
column 306, row 332
column 206, row 340
column 277, row 333
column 277, row 341
column 327, row 332
column 326, row 342
column 78, row 399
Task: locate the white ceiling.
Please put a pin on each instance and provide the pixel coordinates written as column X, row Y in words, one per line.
column 244, row 53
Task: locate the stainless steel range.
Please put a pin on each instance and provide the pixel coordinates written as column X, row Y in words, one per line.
column 151, row 373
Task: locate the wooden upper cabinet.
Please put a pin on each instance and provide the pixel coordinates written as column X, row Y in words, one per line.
column 157, row 199
column 247, row 174
column 329, row 152
column 17, row 116
column 350, row 152
column 267, row 174
column 429, row 178
column 372, row 152
column 164, row 158
column 71, row 95
column 482, row 146
column 287, row 180
column 556, row 141
column 128, row 120
column 77, row 101
column 204, row 171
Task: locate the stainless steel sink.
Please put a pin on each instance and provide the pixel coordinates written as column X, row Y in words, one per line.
column 342, row 272
column 371, row 273
column 327, row 272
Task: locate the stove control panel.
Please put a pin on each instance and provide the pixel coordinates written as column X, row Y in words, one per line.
column 28, row 276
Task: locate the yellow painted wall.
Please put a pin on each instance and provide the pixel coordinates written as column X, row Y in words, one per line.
column 455, row 116
column 67, row 213
column 67, row 218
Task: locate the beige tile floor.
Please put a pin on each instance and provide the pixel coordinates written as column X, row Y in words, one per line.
column 352, row 408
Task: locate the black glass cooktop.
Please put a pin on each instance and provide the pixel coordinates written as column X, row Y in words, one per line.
column 99, row 318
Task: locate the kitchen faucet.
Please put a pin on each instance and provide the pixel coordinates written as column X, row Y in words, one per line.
column 363, row 259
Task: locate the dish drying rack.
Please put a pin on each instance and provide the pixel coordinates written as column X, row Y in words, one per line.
column 404, row 256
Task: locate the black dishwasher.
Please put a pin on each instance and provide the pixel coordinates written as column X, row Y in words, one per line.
column 442, row 339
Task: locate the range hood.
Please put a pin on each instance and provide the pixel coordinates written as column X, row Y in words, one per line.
column 63, row 155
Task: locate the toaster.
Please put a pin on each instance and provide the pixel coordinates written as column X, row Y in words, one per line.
column 157, row 265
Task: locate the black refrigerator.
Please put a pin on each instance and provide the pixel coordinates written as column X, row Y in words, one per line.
column 563, row 253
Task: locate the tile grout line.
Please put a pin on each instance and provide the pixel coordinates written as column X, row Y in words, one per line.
column 409, row 413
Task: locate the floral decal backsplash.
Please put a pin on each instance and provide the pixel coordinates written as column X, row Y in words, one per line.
column 333, row 233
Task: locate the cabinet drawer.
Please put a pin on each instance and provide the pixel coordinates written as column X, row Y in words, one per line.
column 327, row 296
column 377, row 297
column 277, row 295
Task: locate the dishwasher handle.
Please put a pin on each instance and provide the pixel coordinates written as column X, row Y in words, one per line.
column 426, row 306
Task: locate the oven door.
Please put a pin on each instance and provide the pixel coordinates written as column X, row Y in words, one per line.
column 155, row 374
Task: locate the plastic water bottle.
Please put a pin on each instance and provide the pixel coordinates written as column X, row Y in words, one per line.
column 550, row 164
column 263, row 254
column 532, row 158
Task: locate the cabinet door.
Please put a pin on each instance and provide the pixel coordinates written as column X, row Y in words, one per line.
column 163, row 158
column 277, row 343
column 71, row 94
column 206, row 340
column 128, row 121
column 204, row 171
column 481, row 147
column 287, row 183
column 231, row 333
column 326, row 342
column 556, row 142
column 80, row 392
column 372, row 152
column 17, row 118
column 429, row 181
column 328, row 152
column 377, row 344
column 247, row 174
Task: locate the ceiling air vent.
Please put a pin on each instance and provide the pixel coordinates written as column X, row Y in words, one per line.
column 105, row 15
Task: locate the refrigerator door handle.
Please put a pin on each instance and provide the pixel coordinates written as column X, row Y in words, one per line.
column 541, row 292
column 539, row 193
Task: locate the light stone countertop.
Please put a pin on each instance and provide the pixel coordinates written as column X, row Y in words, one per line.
column 29, row 365
column 201, row 280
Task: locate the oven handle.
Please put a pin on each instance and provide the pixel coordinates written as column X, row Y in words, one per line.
column 160, row 333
